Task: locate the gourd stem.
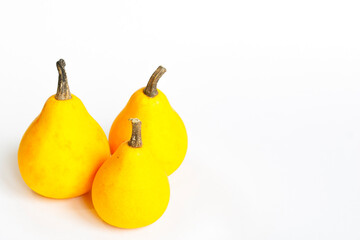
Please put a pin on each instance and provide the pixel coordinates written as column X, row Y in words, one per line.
column 151, row 88
column 135, row 140
column 63, row 90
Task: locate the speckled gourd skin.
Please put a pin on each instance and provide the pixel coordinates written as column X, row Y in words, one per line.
column 62, row 149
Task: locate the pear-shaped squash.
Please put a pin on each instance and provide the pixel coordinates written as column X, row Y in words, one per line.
column 163, row 130
column 63, row 147
column 131, row 190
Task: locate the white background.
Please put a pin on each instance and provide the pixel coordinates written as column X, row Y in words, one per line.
column 269, row 92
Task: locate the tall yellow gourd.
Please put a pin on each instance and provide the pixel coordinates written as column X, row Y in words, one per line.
column 131, row 190
column 163, row 130
column 63, row 147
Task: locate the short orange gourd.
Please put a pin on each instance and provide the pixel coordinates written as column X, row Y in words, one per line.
column 131, row 190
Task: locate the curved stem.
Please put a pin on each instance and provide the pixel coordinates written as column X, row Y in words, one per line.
column 151, row 88
column 135, row 140
column 63, row 90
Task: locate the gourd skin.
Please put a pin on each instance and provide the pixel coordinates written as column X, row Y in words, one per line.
column 130, row 190
column 62, row 149
column 163, row 131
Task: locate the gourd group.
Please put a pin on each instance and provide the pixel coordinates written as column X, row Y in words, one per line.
column 64, row 153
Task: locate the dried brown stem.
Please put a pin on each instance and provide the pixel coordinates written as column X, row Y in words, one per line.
column 135, row 140
column 151, row 88
column 63, row 90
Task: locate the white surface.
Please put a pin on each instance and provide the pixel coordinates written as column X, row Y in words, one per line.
column 269, row 92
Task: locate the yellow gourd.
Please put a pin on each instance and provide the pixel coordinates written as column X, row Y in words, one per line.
column 131, row 190
column 163, row 130
column 63, row 147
